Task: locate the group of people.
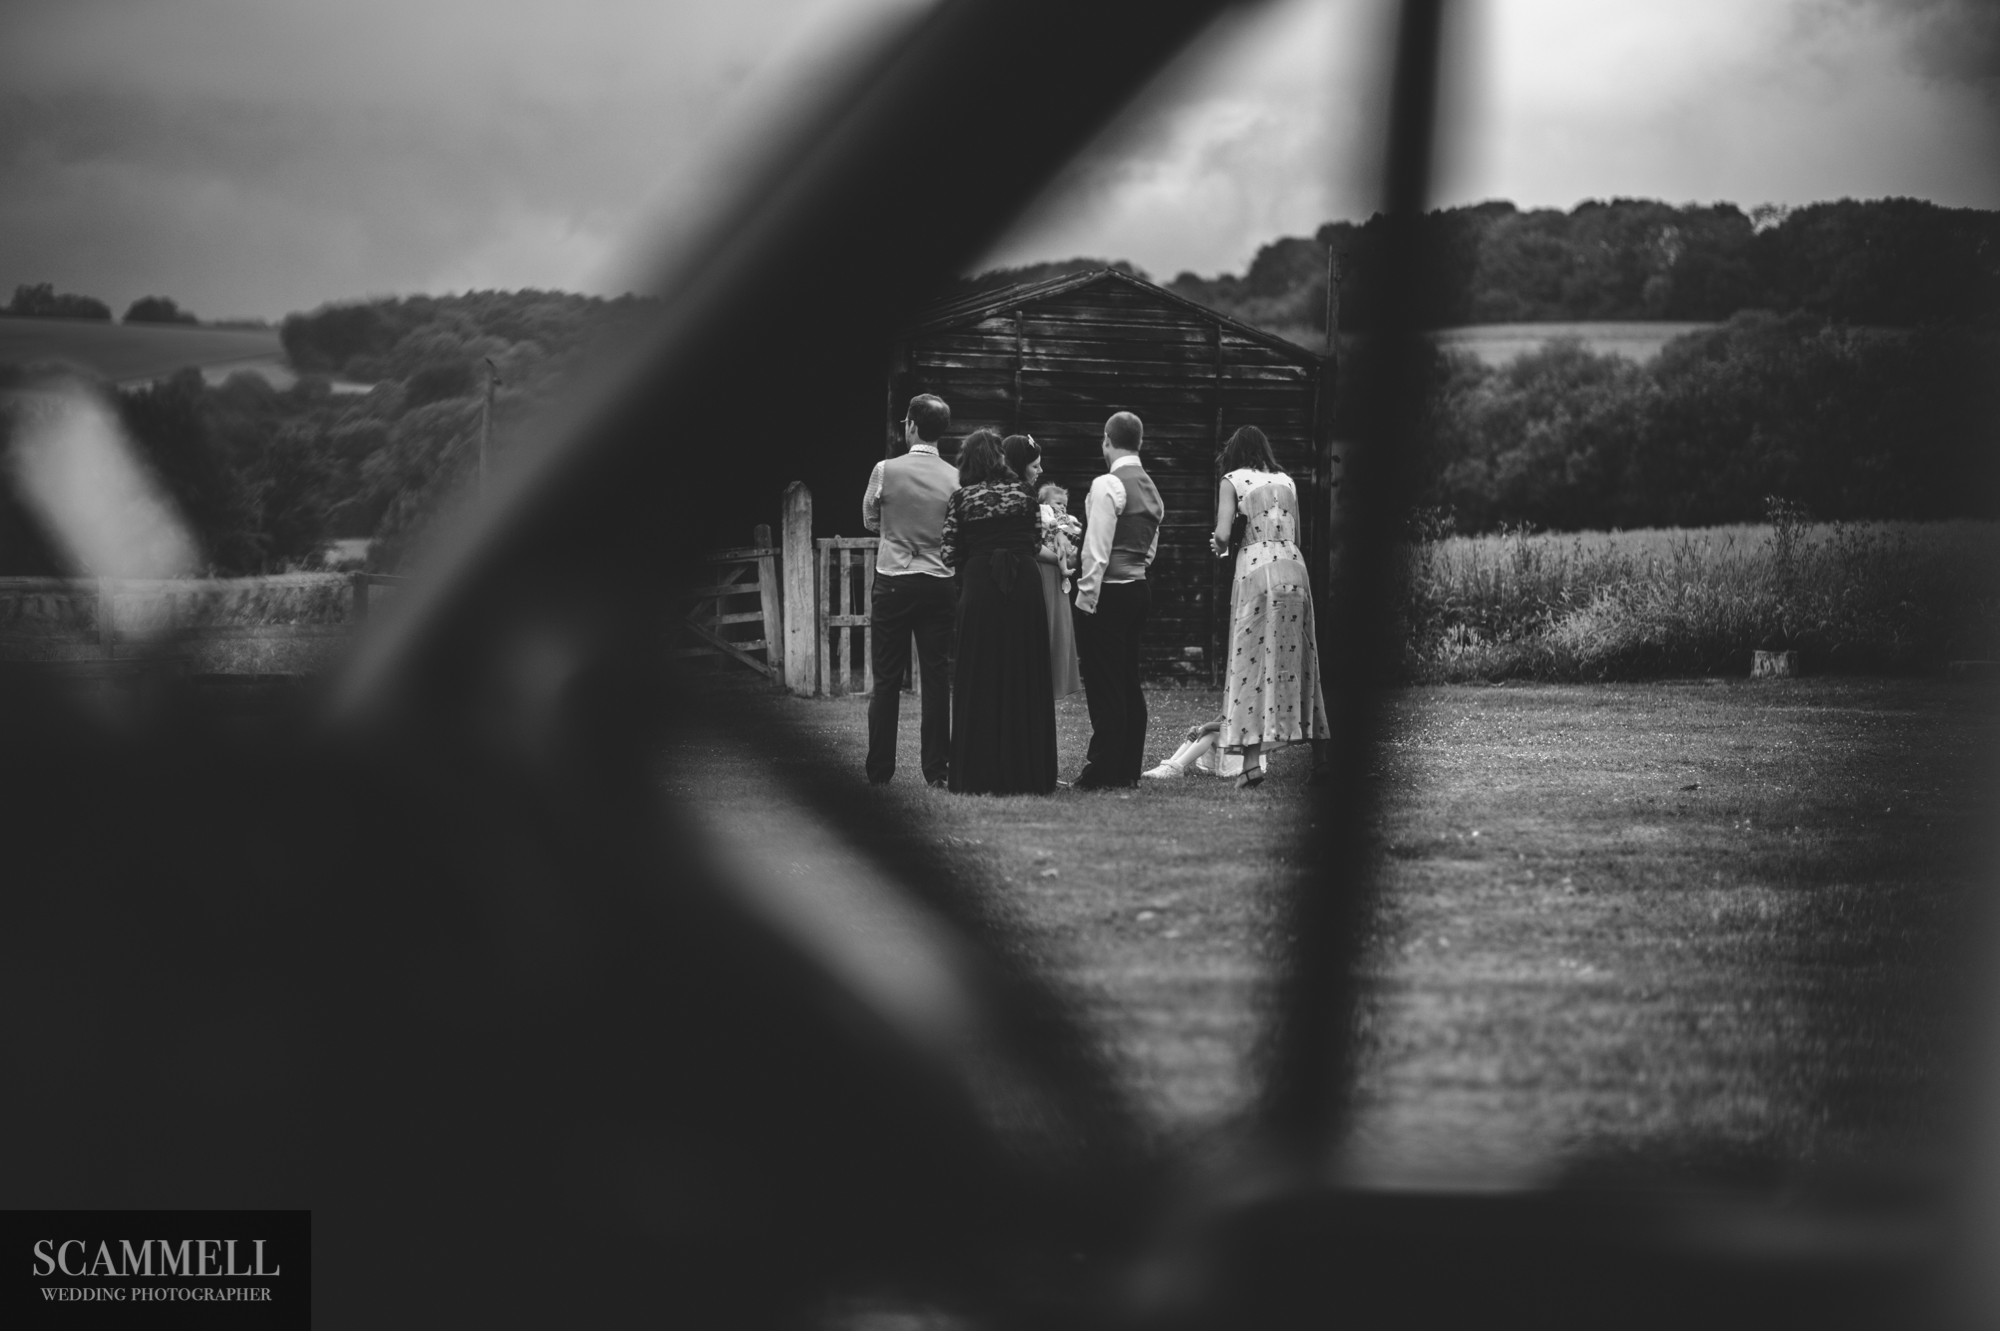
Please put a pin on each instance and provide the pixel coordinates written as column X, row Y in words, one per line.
column 1012, row 603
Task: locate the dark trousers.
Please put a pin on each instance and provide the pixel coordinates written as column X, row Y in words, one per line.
column 906, row 606
column 1107, row 648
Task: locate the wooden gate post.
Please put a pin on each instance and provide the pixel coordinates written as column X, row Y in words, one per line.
column 801, row 608
column 771, row 602
column 107, row 620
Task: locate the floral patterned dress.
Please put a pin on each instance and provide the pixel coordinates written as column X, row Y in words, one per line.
column 1273, row 689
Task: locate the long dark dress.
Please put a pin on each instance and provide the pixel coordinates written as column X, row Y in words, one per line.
column 1003, row 711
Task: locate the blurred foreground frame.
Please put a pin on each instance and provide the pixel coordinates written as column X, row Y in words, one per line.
column 442, row 963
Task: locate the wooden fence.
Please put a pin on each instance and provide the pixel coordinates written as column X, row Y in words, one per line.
column 93, row 622
column 739, row 612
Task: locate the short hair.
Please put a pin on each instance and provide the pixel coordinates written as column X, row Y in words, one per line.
column 1125, row 432
column 1021, row 452
column 980, row 459
column 1247, row 448
column 930, row 415
column 1052, row 489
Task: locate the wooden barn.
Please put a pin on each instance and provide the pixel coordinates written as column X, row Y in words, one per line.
column 1055, row 358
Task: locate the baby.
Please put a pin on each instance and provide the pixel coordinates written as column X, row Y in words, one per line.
column 1055, row 511
column 1059, row 530
column 1199, row 753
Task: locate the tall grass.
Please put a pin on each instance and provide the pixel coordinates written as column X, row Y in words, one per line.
column 1863, row 597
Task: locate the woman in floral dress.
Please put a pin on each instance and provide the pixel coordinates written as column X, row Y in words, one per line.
column 1273, row 686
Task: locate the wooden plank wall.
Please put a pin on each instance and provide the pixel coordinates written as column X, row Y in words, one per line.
column 1059, row 367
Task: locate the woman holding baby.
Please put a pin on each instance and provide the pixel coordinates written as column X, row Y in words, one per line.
column 1055, row 557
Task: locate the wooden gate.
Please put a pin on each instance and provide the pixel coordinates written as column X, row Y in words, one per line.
column 844, row 583
column 722, row 605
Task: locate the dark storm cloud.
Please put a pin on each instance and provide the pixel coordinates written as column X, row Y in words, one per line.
column 1263, row 127
column 1553, row 102
column 263, row 202
column 260, row 156
column 249, row 157
column 1954, row 39
column 1961, row 38
column 1786, row 101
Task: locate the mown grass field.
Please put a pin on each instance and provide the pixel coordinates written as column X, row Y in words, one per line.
column 1696, row 928
column 125, row 353
column 1863, row 597
column 1497, row 344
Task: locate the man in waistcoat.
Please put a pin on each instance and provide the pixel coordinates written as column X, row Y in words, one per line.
column 1120, row 538
column 914, row 593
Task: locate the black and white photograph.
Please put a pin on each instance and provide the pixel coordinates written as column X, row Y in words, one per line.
column 971, row 665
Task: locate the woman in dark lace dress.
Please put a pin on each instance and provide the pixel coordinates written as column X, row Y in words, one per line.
column 1003, row 710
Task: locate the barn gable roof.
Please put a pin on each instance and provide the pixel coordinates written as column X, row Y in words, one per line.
column 980, row 305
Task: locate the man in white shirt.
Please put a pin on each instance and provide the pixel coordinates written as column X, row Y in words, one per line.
column 1121, row 535
column 915, row 596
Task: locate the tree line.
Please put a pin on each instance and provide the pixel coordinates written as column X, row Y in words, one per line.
column 1892, row 262
column 41, row 300
column 267, row 477
column 1856, row 371
column 1838, row 421
column 1855, row 374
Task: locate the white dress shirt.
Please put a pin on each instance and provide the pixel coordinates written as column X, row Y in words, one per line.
column 1102, row 509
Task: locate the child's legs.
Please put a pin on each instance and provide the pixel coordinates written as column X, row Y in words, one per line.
column 1206, row 755
column 1188, row 754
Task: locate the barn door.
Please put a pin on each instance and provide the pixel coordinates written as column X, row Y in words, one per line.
column 904, row 384
column 1220, row 576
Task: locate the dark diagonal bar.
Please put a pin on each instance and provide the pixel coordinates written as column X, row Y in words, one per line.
column 1315, row 1044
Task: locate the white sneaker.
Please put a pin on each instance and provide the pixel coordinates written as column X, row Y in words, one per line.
column 1163, row 772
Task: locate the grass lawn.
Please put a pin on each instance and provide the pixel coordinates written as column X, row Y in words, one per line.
column 1696, row 927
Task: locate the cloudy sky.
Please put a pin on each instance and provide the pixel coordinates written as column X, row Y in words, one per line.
column 251, row 157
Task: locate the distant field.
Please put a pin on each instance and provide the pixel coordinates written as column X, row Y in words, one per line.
column 1497, row 344
column 133, row 354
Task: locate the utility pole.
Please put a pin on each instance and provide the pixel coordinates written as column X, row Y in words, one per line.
column 1332, row 298
column 1323, row 402
column 486, row 421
